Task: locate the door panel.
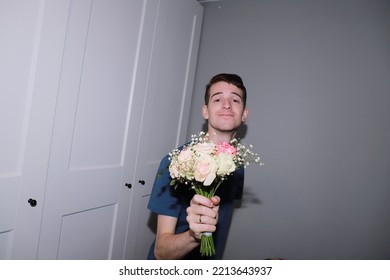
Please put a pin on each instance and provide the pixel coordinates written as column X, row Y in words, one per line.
column 90, row 133
column 77, row 229
column 17, row 61
column 165, row 115
column 32, row 38
column 124, row 236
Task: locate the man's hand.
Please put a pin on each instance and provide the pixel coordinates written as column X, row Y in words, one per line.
column 202, row 215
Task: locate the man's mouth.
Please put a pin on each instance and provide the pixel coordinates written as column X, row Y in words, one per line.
column 225, row 115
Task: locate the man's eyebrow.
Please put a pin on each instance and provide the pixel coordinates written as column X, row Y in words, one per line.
column 220, row 92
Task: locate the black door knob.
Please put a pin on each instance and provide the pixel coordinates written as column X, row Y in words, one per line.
column 128, row 185
column 32, row 202
column 142, row 182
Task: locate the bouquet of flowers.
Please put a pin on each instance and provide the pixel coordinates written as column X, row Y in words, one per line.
column 204, row 166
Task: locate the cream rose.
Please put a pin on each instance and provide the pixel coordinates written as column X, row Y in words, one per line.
column 204, row 148
column 185, row 156
column 205, row 169
column 174, row 169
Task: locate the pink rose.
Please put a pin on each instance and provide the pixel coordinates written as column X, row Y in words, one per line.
column 226, row 148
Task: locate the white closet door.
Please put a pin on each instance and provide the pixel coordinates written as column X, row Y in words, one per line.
column 93, row 94
column 30, row 53
column 166, row 108
column 91, row 130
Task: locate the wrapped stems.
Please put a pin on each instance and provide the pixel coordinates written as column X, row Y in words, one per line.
column 207, row 247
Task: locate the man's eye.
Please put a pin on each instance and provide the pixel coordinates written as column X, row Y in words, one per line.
column 216, row 100
column 236, row 100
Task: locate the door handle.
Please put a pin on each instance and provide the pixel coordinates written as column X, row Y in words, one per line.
column 32, row 202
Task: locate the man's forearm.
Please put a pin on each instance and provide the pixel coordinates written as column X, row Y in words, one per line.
column 175, row 246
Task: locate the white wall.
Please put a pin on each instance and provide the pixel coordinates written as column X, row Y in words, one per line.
column 317, row 73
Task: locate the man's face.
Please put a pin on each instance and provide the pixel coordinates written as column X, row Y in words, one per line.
column 225, row 111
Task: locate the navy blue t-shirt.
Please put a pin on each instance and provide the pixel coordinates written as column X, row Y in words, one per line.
column 166, row 200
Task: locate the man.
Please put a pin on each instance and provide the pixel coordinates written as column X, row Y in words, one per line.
column 182, row 217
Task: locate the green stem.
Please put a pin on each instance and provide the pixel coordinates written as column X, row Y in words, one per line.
column 207, row 247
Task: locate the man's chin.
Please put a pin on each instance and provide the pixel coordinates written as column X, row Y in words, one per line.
column 227, row 129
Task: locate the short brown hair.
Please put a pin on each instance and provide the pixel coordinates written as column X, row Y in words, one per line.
column 233, row 79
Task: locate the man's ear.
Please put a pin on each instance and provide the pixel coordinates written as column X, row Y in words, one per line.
column 205, row 112
column 245, row 114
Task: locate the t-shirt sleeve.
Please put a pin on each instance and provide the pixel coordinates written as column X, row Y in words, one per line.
column 162, row 199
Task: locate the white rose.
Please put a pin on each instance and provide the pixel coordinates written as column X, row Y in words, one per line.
column 225, row 164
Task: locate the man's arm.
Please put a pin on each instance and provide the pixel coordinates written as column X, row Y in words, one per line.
column 202, row 217
column 170, row 245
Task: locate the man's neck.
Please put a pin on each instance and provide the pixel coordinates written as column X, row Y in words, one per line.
column 221, row 137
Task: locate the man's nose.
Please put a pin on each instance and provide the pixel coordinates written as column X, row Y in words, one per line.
column 226, row 104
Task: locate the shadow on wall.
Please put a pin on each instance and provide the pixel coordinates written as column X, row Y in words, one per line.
column 248, row 198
